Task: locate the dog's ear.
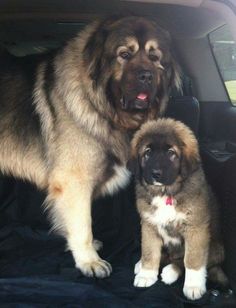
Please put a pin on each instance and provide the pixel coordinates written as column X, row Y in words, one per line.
column 171, row 81
column 93, row 51
column 174, row 75
column 190, row 159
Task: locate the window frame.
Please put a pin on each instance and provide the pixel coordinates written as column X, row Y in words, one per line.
column 217, row 65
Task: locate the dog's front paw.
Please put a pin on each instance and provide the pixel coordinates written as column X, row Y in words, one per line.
column 98, row 268
column 195, row 283
column 97, row 245
column 144, row 277
column 90, row 264
column 170, row 273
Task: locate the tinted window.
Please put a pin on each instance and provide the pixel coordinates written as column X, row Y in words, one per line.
column 224, row 49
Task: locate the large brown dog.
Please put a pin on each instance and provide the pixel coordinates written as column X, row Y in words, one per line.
column 179, row 213
column 66, row 119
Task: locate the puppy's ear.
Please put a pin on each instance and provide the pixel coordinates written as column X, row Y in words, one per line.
column 134, row 167
column 190, row 160
column 188, row 166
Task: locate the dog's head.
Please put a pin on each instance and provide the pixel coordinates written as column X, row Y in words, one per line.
column 131, row 59
column 164, row 151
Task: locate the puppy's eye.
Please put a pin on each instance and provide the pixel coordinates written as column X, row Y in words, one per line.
column 125, row 55
column 171, row 153
column 147, row 153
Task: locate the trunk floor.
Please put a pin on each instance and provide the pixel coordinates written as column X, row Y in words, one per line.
column 36, row 271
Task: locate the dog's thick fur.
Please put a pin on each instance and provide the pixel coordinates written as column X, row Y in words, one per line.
column 179, row 220
column 66, row 119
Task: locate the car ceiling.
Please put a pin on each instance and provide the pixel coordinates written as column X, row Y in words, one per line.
column 28, row 27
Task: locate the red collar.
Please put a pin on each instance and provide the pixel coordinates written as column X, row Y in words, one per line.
column 169, row 201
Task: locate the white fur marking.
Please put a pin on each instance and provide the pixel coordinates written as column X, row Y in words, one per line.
column 144, row 277
column 157, row 183
column 163, row 216
column 132, row 43
column 119, row 180
column 169, row 274
column 137, row 267
column 151, row 44
column 165, row 213
column 195, row 283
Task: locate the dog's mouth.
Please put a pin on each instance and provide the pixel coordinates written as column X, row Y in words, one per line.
column 140, row 103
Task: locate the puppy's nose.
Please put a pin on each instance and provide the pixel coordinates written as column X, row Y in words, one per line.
column 145, row 76
column 156, row 174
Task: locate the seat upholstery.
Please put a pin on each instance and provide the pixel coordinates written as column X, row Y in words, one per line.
column 185, row 109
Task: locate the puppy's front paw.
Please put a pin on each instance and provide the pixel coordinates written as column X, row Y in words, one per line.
column 137, row 267
column 195, row 283
column 170, row 273
column 145, row 278
column 194, row 293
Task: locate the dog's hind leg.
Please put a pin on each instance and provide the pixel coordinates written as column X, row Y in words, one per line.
column 69, row 200
column 215, row 259
column 218, row 277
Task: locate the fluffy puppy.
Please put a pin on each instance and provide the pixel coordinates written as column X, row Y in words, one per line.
column 179, row 213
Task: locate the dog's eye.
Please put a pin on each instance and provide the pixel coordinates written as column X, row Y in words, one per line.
column 153, row 57
column 147, row 153
column 171, row 153
column 125, row 55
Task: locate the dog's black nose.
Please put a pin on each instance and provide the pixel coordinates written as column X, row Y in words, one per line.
column 145, row 76
column 156, row 174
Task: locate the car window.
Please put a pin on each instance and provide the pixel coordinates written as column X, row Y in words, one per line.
column 224, row 50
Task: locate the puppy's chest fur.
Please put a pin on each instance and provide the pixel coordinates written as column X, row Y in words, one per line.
column 167, row 219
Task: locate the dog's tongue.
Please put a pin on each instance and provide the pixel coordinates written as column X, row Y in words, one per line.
column 142, row 96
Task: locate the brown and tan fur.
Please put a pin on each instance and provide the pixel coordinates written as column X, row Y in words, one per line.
column 186, row 233
column 63, row 127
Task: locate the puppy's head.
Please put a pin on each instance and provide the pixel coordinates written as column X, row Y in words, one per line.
column 164, row 151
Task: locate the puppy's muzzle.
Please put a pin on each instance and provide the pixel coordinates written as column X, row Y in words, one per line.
column 156, row 175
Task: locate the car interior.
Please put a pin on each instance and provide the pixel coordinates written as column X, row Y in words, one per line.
column 36, row 270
